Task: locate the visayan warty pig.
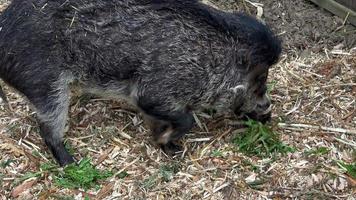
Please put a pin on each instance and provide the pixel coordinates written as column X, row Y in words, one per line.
column 166, row 57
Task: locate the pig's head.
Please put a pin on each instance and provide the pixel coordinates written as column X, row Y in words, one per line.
column 251, row 97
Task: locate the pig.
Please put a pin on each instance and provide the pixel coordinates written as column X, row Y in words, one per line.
column 166, row 57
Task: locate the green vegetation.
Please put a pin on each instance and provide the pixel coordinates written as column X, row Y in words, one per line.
column 122, row 175
column 260, row 140
column 1, row 178
column 69, row 147
column 165, row 173
column 350, row 168
column 150, row 181
column 36, row 153
column 6, row 163
column 271, row 86
column 216, row 153
column 28, row 175
column 318, row 151
column 209, row 111
column 82, row 175
column 251, row 166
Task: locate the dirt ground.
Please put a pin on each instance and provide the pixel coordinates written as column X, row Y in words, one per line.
column 314, row 100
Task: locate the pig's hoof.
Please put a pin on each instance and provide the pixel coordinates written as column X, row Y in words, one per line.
column 171, row 148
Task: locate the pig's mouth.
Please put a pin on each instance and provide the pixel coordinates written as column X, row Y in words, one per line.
column 262, row 117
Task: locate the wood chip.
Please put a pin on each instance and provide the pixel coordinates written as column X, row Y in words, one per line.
column 105, row 191
column 22, row 188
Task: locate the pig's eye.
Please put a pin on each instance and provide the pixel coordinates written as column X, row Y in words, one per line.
column 261, row 90
column 261, row 79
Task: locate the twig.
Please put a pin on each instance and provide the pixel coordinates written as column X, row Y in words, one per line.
column 307, row 126
column 345, row 142
column 124, row 168
column 123, row 134
column 72, row 21
column 314, row 191
column 349, row 114
column 217, row 189
column 332, row 85
column 199, row 139
column 343, row 23
column 258, row 6
column 212, row 142
column 298, row 192
column 198, row 121
column 254, row 4
column 296, row 106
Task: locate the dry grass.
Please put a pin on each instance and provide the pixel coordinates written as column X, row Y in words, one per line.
column 314, row 111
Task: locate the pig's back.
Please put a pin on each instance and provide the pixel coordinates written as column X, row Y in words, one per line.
column 108, row 39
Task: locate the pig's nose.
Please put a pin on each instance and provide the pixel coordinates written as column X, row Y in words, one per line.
column 265, row 108
column 264, row 118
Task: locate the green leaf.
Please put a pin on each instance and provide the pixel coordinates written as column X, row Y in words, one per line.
column 350, row 168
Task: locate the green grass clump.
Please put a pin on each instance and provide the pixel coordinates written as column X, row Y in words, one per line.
column 350, row 168
column 167, row 171
column 150, row 181
column 83, row 175
column 260, row 140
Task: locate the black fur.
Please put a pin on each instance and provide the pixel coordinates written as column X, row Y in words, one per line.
column 167, row 57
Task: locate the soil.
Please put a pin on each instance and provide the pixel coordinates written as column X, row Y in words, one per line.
column 301, row 24
column 315, row 85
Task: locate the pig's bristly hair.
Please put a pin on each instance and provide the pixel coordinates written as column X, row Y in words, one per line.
column 168, row 57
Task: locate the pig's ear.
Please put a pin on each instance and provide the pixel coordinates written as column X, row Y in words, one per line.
column 238, row 89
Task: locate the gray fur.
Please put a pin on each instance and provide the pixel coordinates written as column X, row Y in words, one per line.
column 166, row 57
column 3, row 98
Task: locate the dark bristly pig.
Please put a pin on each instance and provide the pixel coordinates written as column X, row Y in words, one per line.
column 167, row 57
